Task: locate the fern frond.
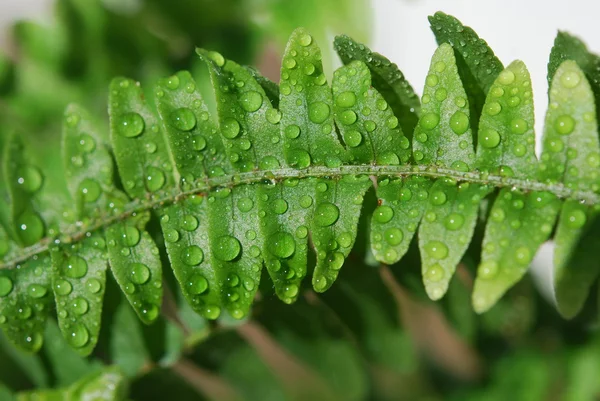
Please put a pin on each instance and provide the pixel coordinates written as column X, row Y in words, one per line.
column 283, row 169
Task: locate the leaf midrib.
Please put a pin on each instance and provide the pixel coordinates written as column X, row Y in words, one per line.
column 253, row 177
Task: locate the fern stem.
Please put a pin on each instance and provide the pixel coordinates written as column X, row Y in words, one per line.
column 80, row 231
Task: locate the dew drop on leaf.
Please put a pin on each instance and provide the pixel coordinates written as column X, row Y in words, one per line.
column 393, row 236
column 62, row 287
column 251, row 101
column 192, row 255
column 459, row 122
column 79, row 336
column 434, row 273
column 227, row 248
column 30, row 228
column 383, row 214
column 139, row 273
column 90, row 189
column 189, row 222
column 197, row 284
column 231, row 128
column 564, row 124
column 436, row 249
column 75, row 267
column 346, row 99
column 318, row 112
column 281, row 244
column 489, row 138
column 93, row 285
column 37, row 291
column 6, row 286
column 29, row 178
column 130, row 125
column 171, row 235
column 429, row 121
column 155, row 179
column 183, row 119
column 79, row 306
column 326, row 214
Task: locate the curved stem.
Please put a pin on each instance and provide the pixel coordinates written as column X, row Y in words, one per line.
column 79, row 231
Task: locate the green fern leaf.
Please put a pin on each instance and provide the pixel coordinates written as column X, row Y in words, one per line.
column 281, row 170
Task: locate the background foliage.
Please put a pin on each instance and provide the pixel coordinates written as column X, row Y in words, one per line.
column 374, row 335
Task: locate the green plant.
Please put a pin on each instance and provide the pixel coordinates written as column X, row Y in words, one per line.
column 282, row 169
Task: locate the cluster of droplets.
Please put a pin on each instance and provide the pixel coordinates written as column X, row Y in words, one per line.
column 28, row 181
column 443, row 107
column 132, row 125
column 563, row 158
column 136, row 272
column 25, row 302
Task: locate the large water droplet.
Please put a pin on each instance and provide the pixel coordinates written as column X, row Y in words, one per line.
column 318, row 112
column 6, row 286
column 183, row 119
column 429, row 121
column 231, row 128
column 29, row 178
column 489, row 138
column 281, row 244
column 383, row 214
column 189, row 222
column 30, row 228
column 192, row 255
column 564, row 124
column 139, row 273
column 130, row 125
column 90, row 189
column 436, row 249
column 326, row 214
column 346, row 99
column 251, row 101
column 197, row 284
column 80, row 306
column 459, row 122
column 75, row 267
column 155, row 179
column 79, row 336
column 227, row 248
column 130, row 236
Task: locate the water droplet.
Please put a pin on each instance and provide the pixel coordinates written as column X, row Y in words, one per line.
column 130, row 236
column 438, row 198
column 306, row 201
column 518, row 126
column 459, row 122
column 231, row 128
column 62, row 287
column 383, row 214
column 493, row 108
column 155, row 179
column 79, row 336
column 281, row 245
column 441, row 94
column 6, row 286
column 269, row 163
column 523, row 255
column 434, row 273
column 90, row 189
column 570, row 79
column 29, row 178
column 245, row 204
column 279, row 206
column 352, row 138
column 80, row 306
column 576, row 219
column 348, row 117
column 506, row 77
column 171, row 235
column 183, row 119
column 273, row 116
column 289, row 63
column 393, row 236
column 37, row 291
column 302, row 232
column 299, row 158
column 305, row 39
column 130, row 125
column 94, row 286
column 489, row 138
column 318, row 112
column 326, row 214
column 227, row 248
column 564, row 124
column 251, row 101
column 436, row 249
column 192, row 255
column 429, row 121
column 149, row 312
column 197, row 284
column 454, row 221
column 346, row 99
column 139, row 273
column 432, row 80
column 189, row 222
